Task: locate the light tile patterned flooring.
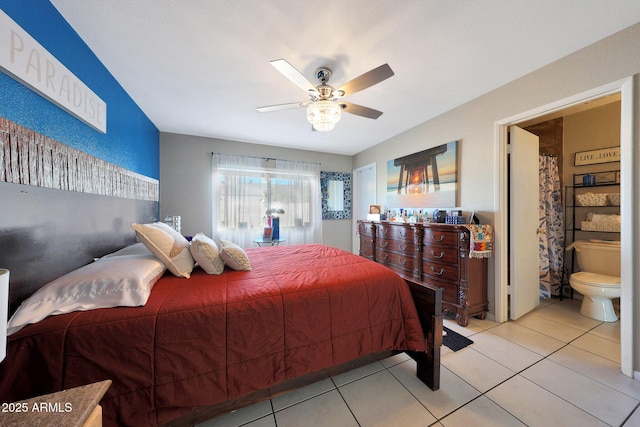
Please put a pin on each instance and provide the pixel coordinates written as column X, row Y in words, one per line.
column 552, row 367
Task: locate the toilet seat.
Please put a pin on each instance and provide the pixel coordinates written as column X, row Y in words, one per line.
column 594, row 279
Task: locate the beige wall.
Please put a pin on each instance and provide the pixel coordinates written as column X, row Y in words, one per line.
column 474, row 124
column 185, row 180
column 589, row 130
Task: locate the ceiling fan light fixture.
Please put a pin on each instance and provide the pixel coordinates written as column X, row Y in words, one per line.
column 324, row 115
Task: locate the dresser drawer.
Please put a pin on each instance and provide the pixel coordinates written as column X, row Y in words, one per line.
column 449, row 238
column 449, row 289
column 407, row 246
column 366, row 251
column 365, row 229
column 439, row 253
column 391, row 259
column 439, row 271
column 366, row 240
column 396, row 231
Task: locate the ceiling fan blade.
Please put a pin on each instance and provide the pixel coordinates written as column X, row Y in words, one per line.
column 366, row 80
column 281, row 107
column 290, row 72
column 359, row 110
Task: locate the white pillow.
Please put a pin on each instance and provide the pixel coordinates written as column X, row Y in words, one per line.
column 110, row 282
column 234, row 256
column 168, row 246
column 206, row 253
column 135, row 249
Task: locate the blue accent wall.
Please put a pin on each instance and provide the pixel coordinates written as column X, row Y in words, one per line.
column 132, row 141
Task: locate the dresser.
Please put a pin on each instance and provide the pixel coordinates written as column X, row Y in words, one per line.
column 436, row 254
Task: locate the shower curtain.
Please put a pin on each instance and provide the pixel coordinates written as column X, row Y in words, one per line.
column 551, row 226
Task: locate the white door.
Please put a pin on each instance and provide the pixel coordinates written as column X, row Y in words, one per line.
column 364, row 194
column 523, row 222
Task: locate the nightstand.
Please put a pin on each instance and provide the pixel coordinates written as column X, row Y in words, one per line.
column 77, row 407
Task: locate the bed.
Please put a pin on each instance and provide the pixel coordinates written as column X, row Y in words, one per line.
column 185, row 349
column 204, row 345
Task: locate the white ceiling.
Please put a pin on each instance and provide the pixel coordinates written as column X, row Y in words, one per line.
column 201, row 67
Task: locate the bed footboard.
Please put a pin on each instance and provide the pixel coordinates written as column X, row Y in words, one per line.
column 428, row 301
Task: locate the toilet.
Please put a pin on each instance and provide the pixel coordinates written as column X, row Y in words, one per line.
column 599, row 277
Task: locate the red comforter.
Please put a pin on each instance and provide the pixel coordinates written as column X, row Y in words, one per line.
column 208, row 339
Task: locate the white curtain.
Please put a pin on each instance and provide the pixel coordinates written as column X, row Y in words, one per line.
column 551, row 237
column 246, row 188
column 301, row 200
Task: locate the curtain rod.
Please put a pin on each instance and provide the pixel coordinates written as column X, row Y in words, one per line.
column 269, row 158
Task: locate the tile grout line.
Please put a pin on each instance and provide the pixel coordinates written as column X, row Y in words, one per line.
column 345, row 400
column 544, row 357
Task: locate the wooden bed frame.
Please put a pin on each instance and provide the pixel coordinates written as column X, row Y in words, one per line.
column 48, row 233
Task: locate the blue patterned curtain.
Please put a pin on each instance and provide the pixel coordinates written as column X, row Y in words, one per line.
column 551, row 226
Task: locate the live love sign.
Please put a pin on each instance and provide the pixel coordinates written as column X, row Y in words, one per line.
column 24, row 59
column 592, row 157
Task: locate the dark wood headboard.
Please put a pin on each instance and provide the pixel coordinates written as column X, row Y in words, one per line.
column 45, row 233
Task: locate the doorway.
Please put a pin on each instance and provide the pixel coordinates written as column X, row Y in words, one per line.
column 364, row 194
column 628, row 270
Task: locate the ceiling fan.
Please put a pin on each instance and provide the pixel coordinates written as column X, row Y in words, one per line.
column 325, row 105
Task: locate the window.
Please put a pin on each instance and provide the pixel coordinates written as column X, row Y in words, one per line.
column 246, row 189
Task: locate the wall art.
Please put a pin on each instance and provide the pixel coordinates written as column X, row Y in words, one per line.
column 425, row 179
column 593, row 157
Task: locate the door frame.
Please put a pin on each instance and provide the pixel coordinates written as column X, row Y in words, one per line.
column 629, row 231
column 355, row 246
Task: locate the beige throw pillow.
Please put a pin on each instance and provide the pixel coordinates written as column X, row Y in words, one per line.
column 234, row 256
column 206, row 253
column 169, row 246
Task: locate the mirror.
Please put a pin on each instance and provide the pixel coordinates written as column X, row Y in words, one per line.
column 336, row 195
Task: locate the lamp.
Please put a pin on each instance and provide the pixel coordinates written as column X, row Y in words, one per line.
column 324, row 114
column 4, row 311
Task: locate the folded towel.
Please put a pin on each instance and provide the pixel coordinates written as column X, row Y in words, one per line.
column 595, row 217
column 481, row 245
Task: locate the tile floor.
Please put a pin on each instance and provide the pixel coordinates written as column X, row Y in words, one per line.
column 553, row 367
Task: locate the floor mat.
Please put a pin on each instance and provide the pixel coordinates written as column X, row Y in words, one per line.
column 454, row 340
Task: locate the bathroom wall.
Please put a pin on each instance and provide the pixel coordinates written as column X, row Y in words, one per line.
column 591, row 130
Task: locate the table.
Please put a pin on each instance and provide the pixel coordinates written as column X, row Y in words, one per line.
column 77, row 407
column 273, row 242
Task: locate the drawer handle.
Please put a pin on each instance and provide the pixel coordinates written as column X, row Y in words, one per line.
column 384, row 244
column 440, row 239
column 437, row 256
column 437, row 273
column 385, row 257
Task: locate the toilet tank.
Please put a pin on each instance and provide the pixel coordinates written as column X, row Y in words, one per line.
column 601, row 257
